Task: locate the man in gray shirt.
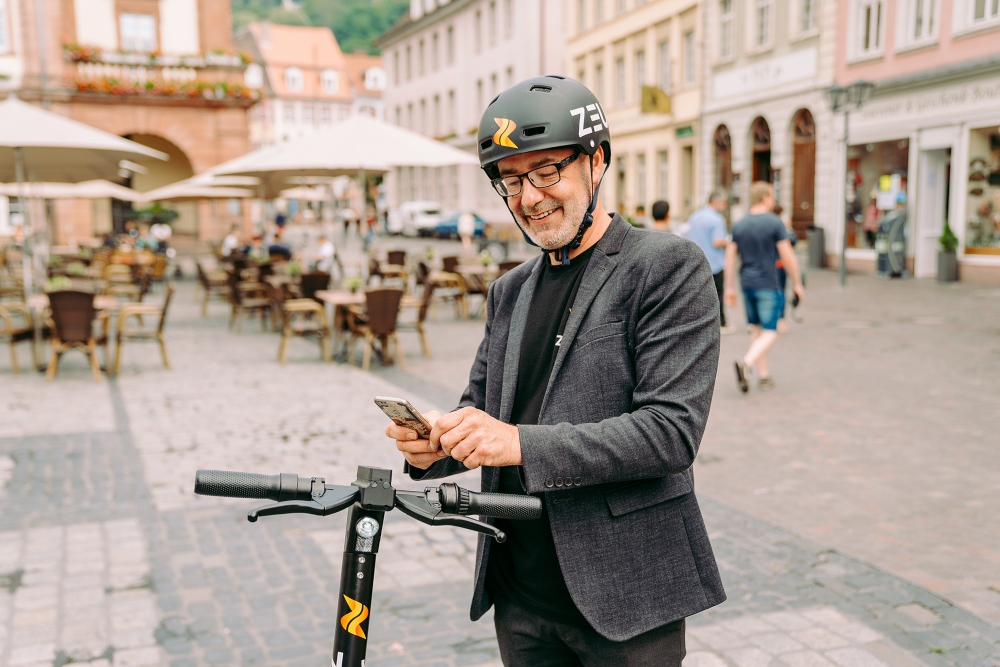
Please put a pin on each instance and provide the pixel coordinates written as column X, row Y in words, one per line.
column 707, row 228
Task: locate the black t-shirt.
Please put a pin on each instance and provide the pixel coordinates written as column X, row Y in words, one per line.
column 525, row 568
column 757, row 237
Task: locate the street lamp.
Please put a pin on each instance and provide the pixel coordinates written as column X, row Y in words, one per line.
column 842, row 98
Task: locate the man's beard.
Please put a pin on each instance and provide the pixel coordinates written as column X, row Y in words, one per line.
column 555, row 234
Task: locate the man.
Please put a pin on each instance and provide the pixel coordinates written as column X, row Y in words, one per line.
column 590, row 389
column 760, row 239
column 661, row 215
column 325, row 254
column 707, row 228
column 231, row 243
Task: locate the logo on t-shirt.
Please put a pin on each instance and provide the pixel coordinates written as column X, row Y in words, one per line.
column 558, row 340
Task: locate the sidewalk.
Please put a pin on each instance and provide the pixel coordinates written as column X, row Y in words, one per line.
column 107, row 558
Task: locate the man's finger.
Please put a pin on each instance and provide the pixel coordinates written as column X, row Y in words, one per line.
column 421, row 446
column 448, row 421
column 424, row 460
column 397, row 432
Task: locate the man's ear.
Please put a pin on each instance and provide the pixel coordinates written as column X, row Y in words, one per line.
column 598, row 165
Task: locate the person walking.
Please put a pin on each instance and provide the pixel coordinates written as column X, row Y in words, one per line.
column 707, row 229
column 759, row 240
column 591, row 389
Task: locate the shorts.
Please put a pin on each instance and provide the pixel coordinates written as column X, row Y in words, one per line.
column 764, row 307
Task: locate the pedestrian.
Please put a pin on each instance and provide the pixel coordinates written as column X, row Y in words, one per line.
column 707, row 229
column 759, row 239
column 162, row 232
column 782, row 274
column 231, row 243
column 871, row 219
column 279, row 221
column 466, row 228
column 325, row 254
column 591, row 390
column 661, row 215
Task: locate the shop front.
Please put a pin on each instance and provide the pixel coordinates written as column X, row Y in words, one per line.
column 930, row 148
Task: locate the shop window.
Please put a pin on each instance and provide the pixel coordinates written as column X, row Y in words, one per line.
column 982, row 211
column 868, row 28
column 727, row 16
column 876, row 184
column 293, row 79
column 137, row 32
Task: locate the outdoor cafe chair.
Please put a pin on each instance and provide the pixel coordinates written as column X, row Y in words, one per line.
column 397, row 257
column 72, row 313
column 214, row 285
column 450, row 263
column 423, row 304
column 17, row 326
column 142, row 332
column 12, row 292
column 248, row 297
column 304, row 317
column 310, row 283
column 376, row 323
column 158, row 271
column 448, row 287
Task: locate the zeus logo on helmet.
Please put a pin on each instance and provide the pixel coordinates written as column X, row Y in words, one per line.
column 590, row 122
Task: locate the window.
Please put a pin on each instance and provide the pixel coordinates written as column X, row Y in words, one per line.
column 918, row 21
column 581, row 77
column 727, row 14
column 307, row 114
column 289, row 112
column 762, row 24
column 452, row 115
column 598, row 12
column 330, row 81
column 453, row 182
column 689, row 59
column 409, row 62
column 508, row 23
column 420, row 58
column 399, row 116
column 293, row 79
column 137, row 32
column 662, row 175
column 423, row 116
column 510, row 77
column 620, row 6
column 493, row 23
column 640, row 178
column 395, row 67
column 581, row 15
column 326, row 114
column 493, row 85
column 479, row 95
column 869, row 30
column 807, row 15
column 253, row 76
column 436, row 120
column 620, row 81
column 599, row 81
column 435, row 62
column 985, row 11
column 478, row 33
column 451, row 45
column 4, row 28
column 640, row 74
column 409, row 116
column 663, row 77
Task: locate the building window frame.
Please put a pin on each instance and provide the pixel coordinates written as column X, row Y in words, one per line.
column 640, row 74
column 494, row 28
column 640, row 180
column 727, row 24
column 598, row 12
column 663, row 174
column 581, row 15
column 5, row 37
column 664, row 63
column 761, row 25
column 294, row 80
column 867, row 34
column 917, row 24
column 620, row 81
column 421, row 70
column 450, row 44
column 477, row 33
column 129, row 23
column 508, row 18
column 330, row 81
column 599, row 80
column 965, row 17
column 435, row 53
column 690, row 59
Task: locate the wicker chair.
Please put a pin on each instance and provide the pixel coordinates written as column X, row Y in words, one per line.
column 214, row 284
column 14, row 332
column 127, row 333
column 304, row 317
column 310, row 283
column 73, row 329
column 397, row 257
column 376, row 323
column 158, row 270
column 422, row 304
column 12, row 292
column 248, row 297
column 450, row 263
column 449, row 287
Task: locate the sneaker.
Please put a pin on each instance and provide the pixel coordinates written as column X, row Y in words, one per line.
column 741, row 376
column 726, row 330
column 765, row 384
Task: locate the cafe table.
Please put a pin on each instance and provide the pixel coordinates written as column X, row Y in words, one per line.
column 341, row 300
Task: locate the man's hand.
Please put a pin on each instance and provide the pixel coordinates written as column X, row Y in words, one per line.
column 477, row 439
column 729, row 296
column 419, row 452
column 800, row 291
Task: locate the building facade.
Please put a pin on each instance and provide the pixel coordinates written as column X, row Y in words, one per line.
column 929, row 137
column 305, row 81
column 445, row 61
column 640, row 59
column 160, row 72
column 765, row 115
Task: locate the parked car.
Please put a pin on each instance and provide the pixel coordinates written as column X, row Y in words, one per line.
column 448, row 227
column 415, row 218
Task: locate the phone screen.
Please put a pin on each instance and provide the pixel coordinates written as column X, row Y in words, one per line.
column 403, row 414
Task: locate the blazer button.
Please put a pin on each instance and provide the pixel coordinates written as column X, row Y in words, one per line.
column 578, row 481
column 559, row 481
column 549, row 482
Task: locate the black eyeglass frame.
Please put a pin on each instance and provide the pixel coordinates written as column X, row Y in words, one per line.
column 498, row 183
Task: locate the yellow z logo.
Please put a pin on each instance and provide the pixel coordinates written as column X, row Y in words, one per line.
column 502, row 136
column 352, row 620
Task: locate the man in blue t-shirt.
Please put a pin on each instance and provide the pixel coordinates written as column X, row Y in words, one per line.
column 707, row 228
column 760, row 239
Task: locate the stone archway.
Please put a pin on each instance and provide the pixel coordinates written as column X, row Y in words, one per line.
column 760, row 141
column 803, row 171
column 723, row 145
column 159, row 173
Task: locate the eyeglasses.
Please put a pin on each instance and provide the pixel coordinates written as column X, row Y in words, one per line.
column 541, row 177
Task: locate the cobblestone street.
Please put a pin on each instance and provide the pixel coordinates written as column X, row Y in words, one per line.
column 852, row 509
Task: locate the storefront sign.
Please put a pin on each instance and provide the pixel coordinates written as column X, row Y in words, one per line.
column 942, row 101
column 763, row 76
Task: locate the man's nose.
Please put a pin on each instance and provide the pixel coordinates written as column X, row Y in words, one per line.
column 530, row 195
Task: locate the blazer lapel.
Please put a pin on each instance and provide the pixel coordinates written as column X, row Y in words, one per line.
column 513, row 353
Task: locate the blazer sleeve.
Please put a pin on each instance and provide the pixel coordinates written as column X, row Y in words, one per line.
column 473, row 396
column 674, row 332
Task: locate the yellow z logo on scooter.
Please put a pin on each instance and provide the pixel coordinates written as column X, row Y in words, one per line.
column 352, row 620
column 502, row 136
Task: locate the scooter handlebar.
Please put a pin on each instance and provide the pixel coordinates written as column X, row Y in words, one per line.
column 456, row 500
column 229, row 484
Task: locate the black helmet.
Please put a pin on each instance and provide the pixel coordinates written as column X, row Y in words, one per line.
column 542, row 113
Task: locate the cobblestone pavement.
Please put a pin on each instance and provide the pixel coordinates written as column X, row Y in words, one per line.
column 107, row 558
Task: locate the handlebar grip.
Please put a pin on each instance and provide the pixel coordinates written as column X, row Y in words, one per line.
column 505, row 505
column 231, row 484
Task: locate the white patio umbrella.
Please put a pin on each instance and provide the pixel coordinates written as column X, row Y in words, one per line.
column 188, row 190
column 58, row 149
column 97, row 189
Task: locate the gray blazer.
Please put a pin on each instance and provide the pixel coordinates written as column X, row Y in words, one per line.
column 620, row 425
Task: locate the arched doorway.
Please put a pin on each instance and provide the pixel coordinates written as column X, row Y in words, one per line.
column 723, row 159
column 760, row 136
column 160, row 173
column 804, row 171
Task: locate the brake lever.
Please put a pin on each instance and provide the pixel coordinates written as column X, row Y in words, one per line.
column 415, row 505
column 334, row 499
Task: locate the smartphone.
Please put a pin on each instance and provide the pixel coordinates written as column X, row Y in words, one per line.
column 402, row 413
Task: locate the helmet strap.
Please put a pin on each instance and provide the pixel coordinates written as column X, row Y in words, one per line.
column 562, row 254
